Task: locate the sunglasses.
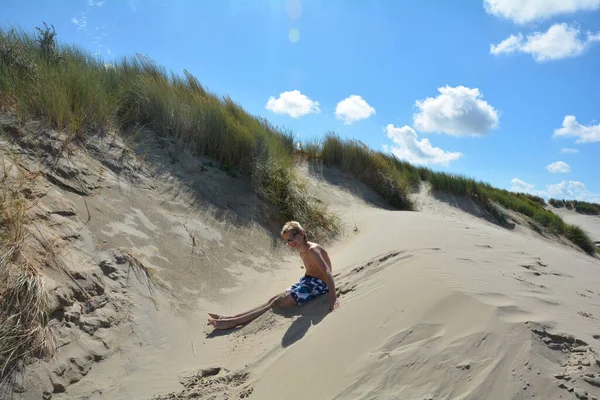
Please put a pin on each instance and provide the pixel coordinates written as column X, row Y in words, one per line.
column 291, row 237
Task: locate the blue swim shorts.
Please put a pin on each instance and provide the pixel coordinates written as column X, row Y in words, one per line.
column 307, row 289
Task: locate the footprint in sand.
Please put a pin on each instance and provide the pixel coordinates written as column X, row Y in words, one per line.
column 580, row 365
column 538, row 268
column 215, row 382
column 585, row 314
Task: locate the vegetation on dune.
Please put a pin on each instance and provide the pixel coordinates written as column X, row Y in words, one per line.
column 372, row 168
column 529, row 205
column 582, row 207
column 576, row 235
column 76, row 92
column 394, row 180
column 23, row 311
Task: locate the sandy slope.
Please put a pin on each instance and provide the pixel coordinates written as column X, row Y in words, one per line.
column 590, row 223
column 450, row 314
column 435, row 304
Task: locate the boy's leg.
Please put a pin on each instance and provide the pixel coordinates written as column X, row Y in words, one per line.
column 228, row 323
column 217, row 316
column 284, row 300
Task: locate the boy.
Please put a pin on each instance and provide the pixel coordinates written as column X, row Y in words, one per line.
column 317, row 281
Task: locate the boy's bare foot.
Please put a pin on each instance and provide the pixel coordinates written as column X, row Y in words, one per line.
column 216, row 316
column 222, row 323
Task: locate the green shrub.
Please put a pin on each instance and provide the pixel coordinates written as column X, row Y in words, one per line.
column 583, row 207
column 587, row 208
column 576, row 235
column 556, row 203
column 276, row 183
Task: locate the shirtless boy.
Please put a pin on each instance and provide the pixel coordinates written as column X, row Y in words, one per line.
column 317, row 281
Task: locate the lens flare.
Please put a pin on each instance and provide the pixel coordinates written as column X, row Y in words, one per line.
column 294, row 35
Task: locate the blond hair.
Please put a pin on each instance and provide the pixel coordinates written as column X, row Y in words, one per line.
column 292, row 226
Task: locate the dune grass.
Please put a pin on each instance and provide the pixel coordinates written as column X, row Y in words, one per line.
column 23, row 311
column 582, row 207
column 529, row 205
column 383, row 173
column 73, row 91
column 394, row 180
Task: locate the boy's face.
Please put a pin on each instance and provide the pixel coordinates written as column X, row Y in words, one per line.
column 293, row 238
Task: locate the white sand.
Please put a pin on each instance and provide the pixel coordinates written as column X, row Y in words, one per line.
column 435, row 304
column 447, row 300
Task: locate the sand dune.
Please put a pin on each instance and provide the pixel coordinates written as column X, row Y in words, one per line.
column 435, row 308
column 435, row 304
column 589, row 223
column 446, row 307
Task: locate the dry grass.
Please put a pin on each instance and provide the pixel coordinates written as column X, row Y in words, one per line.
column 23, row 317
column 23, row 311
column 146, row 275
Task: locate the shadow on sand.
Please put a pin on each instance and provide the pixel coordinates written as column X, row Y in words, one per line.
column 304, row 316
column 307, row 315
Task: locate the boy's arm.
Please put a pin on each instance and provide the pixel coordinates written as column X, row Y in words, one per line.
column 320, row 261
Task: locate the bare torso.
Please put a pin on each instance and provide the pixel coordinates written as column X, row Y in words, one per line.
column 311, row 267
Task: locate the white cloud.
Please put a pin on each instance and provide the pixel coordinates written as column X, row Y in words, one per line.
column 132, row 5
column 407, row 147
column 96, row 3
column 457, row 111
column 292, row 103
column 523, row 11
column 569, row 151
column 569, row 190
column 98, row 46
column 558, row 167
column 352, row 109
column 524, row 187
column 560, row 41
column 80, row 22
column 583, row 133
column 507, row 46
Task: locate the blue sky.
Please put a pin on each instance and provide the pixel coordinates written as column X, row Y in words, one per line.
column 492, row 89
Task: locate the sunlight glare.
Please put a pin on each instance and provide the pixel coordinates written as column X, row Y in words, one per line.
column 294, row 35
